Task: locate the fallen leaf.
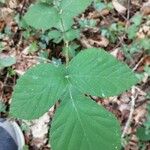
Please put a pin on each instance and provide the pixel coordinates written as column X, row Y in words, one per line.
column 146, row 8
column 118, row 7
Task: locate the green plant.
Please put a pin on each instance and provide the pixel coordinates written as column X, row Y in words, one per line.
column 7, row 61
column 143, row 132
column 132, row 30
column 79, row 123
column 2, row 106
column 113, row 32
column 102, row 5
column 136, row 46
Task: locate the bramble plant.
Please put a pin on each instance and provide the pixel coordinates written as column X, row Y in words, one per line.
column 79, row 123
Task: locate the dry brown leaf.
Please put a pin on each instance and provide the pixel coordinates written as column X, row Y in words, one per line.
column 6, row 15
column 103, row 42
column 118, row 7
column 146, row 8
column 39, row 129
column 139, row 113
column 12, row 3
column 2, row 25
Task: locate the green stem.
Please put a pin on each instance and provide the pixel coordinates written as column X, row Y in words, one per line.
column 66, row 43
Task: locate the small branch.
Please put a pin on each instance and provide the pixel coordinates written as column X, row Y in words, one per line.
column 37, row 57
column 137, row 65
column 128, row 11
column 21, row 11
column 3, row 85
column 67, row 52
column 127, row 125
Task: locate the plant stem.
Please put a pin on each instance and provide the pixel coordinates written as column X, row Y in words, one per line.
column 66, row 43
column 67, row 52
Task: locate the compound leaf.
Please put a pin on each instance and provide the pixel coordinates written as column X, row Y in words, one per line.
column 80, row 124
column 74, row 7
column 96, row 72
column 70, row 9
column 59, row 15
column 41, row 16
column 37, row 90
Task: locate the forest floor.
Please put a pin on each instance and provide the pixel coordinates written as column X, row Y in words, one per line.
column 122, row 28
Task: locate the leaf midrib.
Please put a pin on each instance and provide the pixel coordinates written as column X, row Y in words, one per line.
column 78, row 115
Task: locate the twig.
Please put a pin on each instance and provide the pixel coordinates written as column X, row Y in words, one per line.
column 137, row 65
column 21, row 11
column 5, row 81
column 141, row 103
column 37, row 57
column 128, row 11
column 133, row 98
column 141, row 92
column 121, row 41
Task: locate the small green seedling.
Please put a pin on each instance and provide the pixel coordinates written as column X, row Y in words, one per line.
column 7, row 61
column 79, row 123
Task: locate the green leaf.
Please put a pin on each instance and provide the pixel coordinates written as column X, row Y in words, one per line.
column 80, row 124
column 37, row 90
column 87, row 23
column 100, row 6
column 44, row 16
column 145, row 43
column 137, row 19
column 147, row 70
column 33, row 47
column 2, row 1
column 2, row 47
column 71, row 50
column 92, row 71
column 96, row 72
column 2, row 106
column 143, row 134
column 41, row 16
column 7, row 61
column 70, row 9
column 71, row 35
column 55, row 35
column 46, row 1
column 132, row 31
column 73, row 8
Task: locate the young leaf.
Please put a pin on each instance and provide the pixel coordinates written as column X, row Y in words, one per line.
column 70, row 9
column 46, row 1
column 72, row 34
column 137, row 19
column 7, row 61
column 96, row 72
column 2, row 106
column 41, row 16
column 132, row 31
column 74, row 7
column 44, row 16
column 142, row 134
column 80, row 124
column 55, row 35
column 37, row 90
